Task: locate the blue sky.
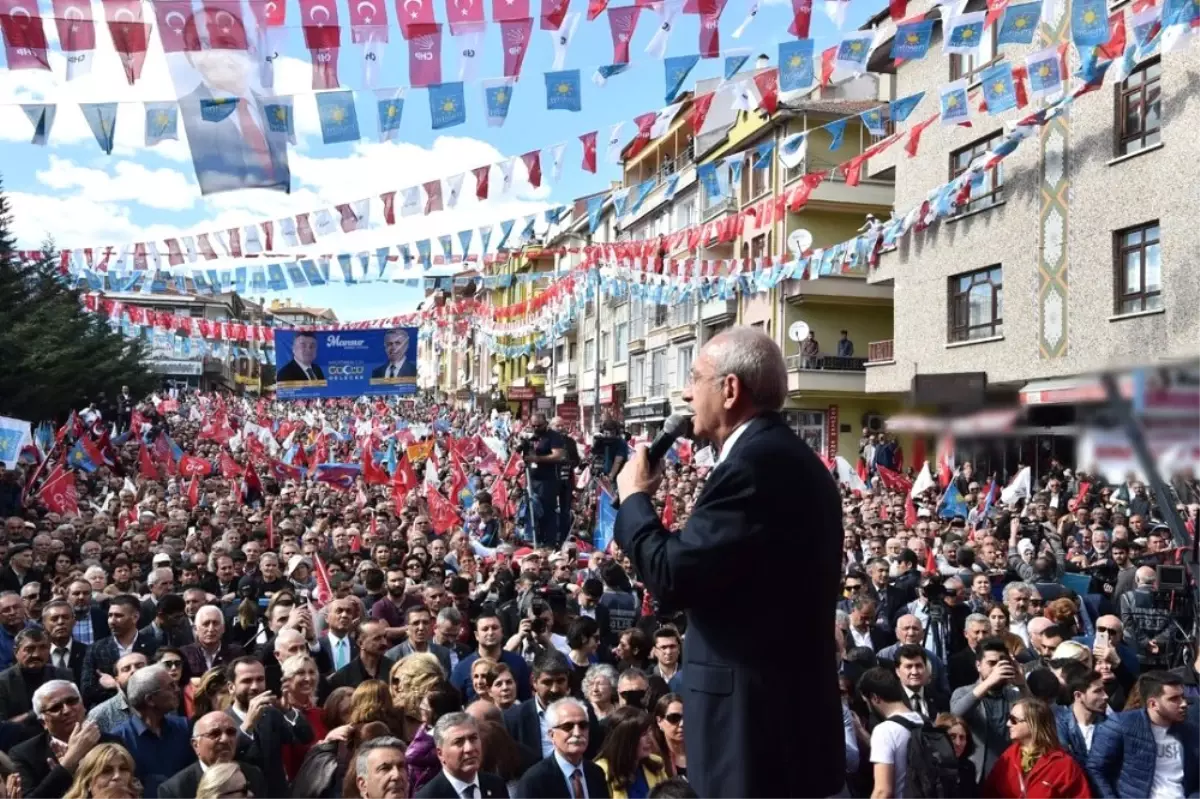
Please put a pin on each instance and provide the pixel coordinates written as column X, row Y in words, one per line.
column 71, row 190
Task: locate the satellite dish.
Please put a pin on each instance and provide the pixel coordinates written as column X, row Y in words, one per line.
column 496, row 369
column 544, row 362
column 798, row 331
column 799, row 242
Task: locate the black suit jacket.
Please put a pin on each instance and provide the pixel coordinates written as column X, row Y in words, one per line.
column 326, row 650
column 193, row 655
column 41, row 776
column 74, row 660
column 184, row 784
column 490, row 787
column 292, row 372
column 407, row 369
column 159, row 638
column 546, row 781
column 745, row 516
column 10, row 582
column 354, row 673
column 102, row 656
column 523, row 724
column 15, row 696
column 266, row 747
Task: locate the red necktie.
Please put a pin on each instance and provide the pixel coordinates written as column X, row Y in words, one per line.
column 252, row 135
column 577, row 784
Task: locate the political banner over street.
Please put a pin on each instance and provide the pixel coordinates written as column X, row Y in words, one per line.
column 345, row 363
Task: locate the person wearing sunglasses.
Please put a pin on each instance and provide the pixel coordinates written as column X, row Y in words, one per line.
column 1035, row 765
column 668, row 712
column 214, row 740
column 47, row 761
column 565, row 773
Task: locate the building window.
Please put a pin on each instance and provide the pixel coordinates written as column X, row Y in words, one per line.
column 683, row 366
column 987, row 188
column 977, row 305
column 605, row 340
column 661, row 314
column 1139, row 116
column 1139, row 268
column 589, row 353
column 637, row 320
column 685, row 213
column 658, row 373
column 810, row 426
column 965, row 66
column 621, row 341
column 637, row 376
column 755, row 182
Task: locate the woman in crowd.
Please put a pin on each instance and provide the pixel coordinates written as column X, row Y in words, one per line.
column 223, row 781
column 299, row 674
column 501, row 755
column 1035, row 766
column 633, row 650
column 998, row 615
column 600, row 689
column 627, row 755
column 330, row 763
column 106, row 772
column 503, row 688
column 171, row 659
column 668, row 716
column 421, row 759
column 583, row 636
column 210, row 693
column 336, row 710
column 1064, row 613
column 483, row 674
column 371, row 701
column 964, row 746
column 412, row 678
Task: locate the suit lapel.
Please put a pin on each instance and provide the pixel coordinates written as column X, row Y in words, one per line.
column 757, row 424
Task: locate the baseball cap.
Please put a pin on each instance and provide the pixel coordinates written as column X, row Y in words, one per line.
column 296, row 561
column 162, row 559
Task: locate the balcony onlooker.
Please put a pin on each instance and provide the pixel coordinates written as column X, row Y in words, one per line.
column 810, row 351
column 845, row 347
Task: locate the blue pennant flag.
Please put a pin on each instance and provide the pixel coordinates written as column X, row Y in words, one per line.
column 308, row 268
column 339, row 122
column 707, row 175
column 607, row 71
column 795, row 65
column 276, row 280
column 1089, row 22
column 952, row 504
column 239, row 280
column 643, row 190
column 102, row 119
column 527, row 231
column 912, row 40
column 563, row 91
column 162, row 122
column 900, row 110
column 497, row 97
column 763, row 154
column 447, row 243
column 671, row 186
column 677, row 69
column 734, row 64
column 998, row 88
column 425, row 254
column 837, row 129
column 1045, row 72
column 606, row 521
column 485, row 237
column 391, row 110
column 1019, row 23
column 619, row 198
column 42, row 117
column 447, row 105
column 464, row 240
column 735, row 162
column 296, row 274
column 873, row 121
column 506, row 228
column 594, row 206
column 346, row 265
column 217, row 109
column 280, row 118
column 854, row 50
column 79, row 458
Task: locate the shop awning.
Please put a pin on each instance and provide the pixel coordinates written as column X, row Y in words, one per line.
column 1070, row 390
column 982, row 423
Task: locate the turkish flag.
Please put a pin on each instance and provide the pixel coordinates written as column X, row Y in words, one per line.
column 589, row 151
column 229, row 467
column 368, row 21
column 668, row 514
column 404, row 479
column 596, row 8
column 893, row 481
column 146, row 467
column 270, row 532
column 644, row 122
column 373, row 474
column 514, row 34
column 699, row 111
column 911, row 146
column 76, row 30
column 414, row 12
column 464, row 15
column 910, row 512
column 622, row 22
column 425, row 55
column 24, row 35
column 801, row 18
column 553, row 13
column 533, row 165
column 481, row 174
column 324, row 592
column 322, row 37
column 223, row 21
column 827, row 57
column 768, row 89
column 129, row 33
column 441, row 513
column 513, row 468
column 506, row 10
column 193, row 493
column 458, row 477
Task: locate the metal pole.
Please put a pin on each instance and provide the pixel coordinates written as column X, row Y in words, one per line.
column 596, row 353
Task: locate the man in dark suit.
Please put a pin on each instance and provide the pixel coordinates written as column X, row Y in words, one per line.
column 208, row 650
column 371, row 663
column 215, row 740
column 916, row 676
column 566, row 773
column 526, row 721
column 102, row 657
column 262, row 725
column 91, row 619
column 335, row 643
column 46, row 767
column 456, row 736
column 961, row 666
column 169, row 627
column 32, row 670
column 399, row 363
column 302, row 367
column 19, row 570
column 768, row 492
column 58, row 619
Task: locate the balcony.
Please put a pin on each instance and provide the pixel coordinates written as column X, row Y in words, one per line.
column 826, row 373
column 658, row 390
column 566, row 377
column 711, row 209
column 715, row 311
column 880, row 351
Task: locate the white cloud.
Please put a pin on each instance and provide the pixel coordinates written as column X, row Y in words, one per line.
column 127, row 181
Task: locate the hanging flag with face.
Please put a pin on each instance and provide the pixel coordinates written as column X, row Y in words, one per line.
column 953, row 102
column 873, row 121
column 563, row 91
column 446, row 105
column 795, row 65
column 339, row 122
column 900, row 110
column 965, row 33
column 854, row 50
column 1019, row 23
column 677, row 69
column 1089, row 22
column 162, row 122
column 912, row 40
column 1045, row 72
column 998, row 88
column 102, row 119
column 497, row 97
column 390, row 104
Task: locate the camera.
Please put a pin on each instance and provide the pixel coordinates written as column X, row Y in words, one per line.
column 527, row 440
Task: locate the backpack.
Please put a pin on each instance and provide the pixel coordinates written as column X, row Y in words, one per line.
column 932, row 768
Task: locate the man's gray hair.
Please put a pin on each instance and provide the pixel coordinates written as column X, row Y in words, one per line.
column 450, row 614
column 1012, row 589
column 209, row 610
column 977, row 618
column 601, row 671
column 161, row 573
column 756, row 360
column 448, row 722
column 375, row 744
column 556, row 707
column 143, row 684
column 49, row 687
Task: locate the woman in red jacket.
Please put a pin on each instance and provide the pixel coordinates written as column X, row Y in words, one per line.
column 1035, row 766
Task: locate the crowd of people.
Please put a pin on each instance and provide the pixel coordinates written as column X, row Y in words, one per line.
column 219, row 615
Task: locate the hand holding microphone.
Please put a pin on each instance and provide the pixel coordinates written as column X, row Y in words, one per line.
column 643, row 472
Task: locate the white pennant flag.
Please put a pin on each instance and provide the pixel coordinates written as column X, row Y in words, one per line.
column 410, row 201
column 251, row 243
column 152, row 252
column 613, row 153
column 556, row 161
column 662, row 122
column 745, row 95
column 657, row 48
column 373, row 50
column 362, row 209
column 470, row 53
column 189, row 247
column 562, row 40
column 836, row 9
column 506, row 174
column 287, row 229
column 325, row 226
column 454, row 189
column 751, row 13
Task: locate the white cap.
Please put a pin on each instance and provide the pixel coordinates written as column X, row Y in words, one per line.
column 297, row 561
column 162, row 558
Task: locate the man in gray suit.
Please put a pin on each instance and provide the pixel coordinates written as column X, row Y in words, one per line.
column 419, row 623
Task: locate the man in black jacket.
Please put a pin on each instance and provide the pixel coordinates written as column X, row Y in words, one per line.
column 745, row 516
column 58, row 619
column 566, row 477
column 526, row 721
column 102, row 657
column 456, row 736
column 32, row 670
column 215, row 740
column 262, row 724
column 45, row 765
column 566, row 773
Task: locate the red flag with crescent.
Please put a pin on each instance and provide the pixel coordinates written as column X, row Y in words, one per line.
column 24, row 35
column 76, row 30
column 319, row 19
column 224, row 25
column 553, row 13
column 129, row 34
column 589, row 151
column 464, row 15
column 368, row 20
column 174, row 30
column 506, row 10
column 414, row 12
column 146, row 467
column 193, row 492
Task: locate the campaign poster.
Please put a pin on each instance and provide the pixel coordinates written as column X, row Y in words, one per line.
column 345, row 363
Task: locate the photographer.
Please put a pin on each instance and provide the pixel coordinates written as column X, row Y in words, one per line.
column 1034, row 553
column 544, row 450
column 566, row 477
column 535, row 633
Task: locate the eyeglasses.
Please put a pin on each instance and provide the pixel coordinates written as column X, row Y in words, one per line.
column 171, row 664
column 58, row 707
column 853, row 586
column 674, row 719
column 1107, row 630
column 567, row 726
column 1014, row 720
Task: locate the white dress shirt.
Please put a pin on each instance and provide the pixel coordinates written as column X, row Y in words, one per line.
column 727, row 447
column 460, row 786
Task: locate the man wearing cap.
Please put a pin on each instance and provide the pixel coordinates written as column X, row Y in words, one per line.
column 19, row 570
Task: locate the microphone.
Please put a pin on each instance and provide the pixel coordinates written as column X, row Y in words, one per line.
column 677, row 426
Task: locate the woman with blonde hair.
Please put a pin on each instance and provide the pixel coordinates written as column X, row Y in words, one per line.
column 483, row 674
column 371, row 701
column 299, row 684
column 627, row 755
column 223, row 781
column 106, row 772
column 1035, row 766
column 412, row 678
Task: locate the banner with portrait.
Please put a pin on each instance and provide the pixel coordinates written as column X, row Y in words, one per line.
column 345, row 363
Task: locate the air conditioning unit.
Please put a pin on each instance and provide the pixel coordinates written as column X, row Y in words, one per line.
column 873, row 422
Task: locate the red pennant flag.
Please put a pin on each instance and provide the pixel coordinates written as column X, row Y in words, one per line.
column 507, row 10
column 458, row 477
column 893, row 481
column 271, row 14
column 768, row 89
column 193, row 493
column 441, row 513
column 76, row 30
column 463, row 15
column 533, row 165
column 589, row 151
column 322, row 37
column 644, row 122
column 801, row 18
column 24, row 35
column 668, row 515
column 130, row 34
column 930, row 560
column 323, row 594
column 229, row 467
column 58, row 492
column 146, row 467
column 223, row 21
column 945, row 460
column 176, row 35
column 433, row 196
column 355, row 542
column 799, row 196
column 514, row 34
column 553, row 13
column 413, row 12
column 481, row 174
column 898, row 8
column 513, row 468
column 852, row 170
column 622, row 22
column 369, row 25
column 699, row 111
column 425, row 55
column 710, row 35
column 1081, row 494
column 827, row 65
column 373, row 473
column 1114, row 48
column 914, row 142
column 389, row 216
column 596, row 8
column 271, row 533
column 253, row 485
column 910, row 512
column 995, row 9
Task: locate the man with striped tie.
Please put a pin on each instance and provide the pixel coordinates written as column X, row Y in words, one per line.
column 335, row 643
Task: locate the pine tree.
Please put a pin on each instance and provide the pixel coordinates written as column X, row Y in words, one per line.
column 57, row 355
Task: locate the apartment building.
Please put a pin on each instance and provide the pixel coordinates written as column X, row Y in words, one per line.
column 1076, row 253
column 447, row 356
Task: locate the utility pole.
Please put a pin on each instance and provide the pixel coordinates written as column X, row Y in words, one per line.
column 596, row 349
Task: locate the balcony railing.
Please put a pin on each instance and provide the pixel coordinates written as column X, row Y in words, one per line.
column 711, row 208
column 880, row 351
column 826, row 363
column 658, row 389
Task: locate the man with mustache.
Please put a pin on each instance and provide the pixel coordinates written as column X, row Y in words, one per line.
column 566, row 773
column 32, row 670
column 456, row 736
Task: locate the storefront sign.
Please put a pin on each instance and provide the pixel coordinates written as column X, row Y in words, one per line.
column 649, row 410
column 521, row 393
column 606, row 394
column 177, row 367
column 569, row 411
column 831, row 432
column 545, row 404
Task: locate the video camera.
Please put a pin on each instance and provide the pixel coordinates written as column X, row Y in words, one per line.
column 526, row 440
column 608, row 445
